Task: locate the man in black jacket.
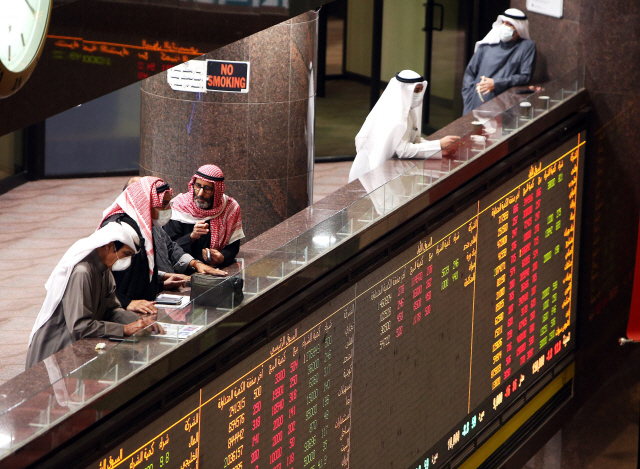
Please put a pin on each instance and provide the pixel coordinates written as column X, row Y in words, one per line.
column 205, row 222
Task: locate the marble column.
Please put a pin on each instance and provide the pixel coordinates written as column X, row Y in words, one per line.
column 262, row 140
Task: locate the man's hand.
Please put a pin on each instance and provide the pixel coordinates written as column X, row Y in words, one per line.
column 200, row 229
column 174, row 281
column 142, row 306
column 486, row 85
column 140, row 324
column 445, row 144
column 215, row 255
column 167, row 276
column 202, row 268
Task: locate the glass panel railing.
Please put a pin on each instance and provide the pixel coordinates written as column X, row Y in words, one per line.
column 34, row 413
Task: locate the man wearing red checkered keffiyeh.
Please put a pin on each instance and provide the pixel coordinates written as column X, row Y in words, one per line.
column 205, row 221
column 141, row 205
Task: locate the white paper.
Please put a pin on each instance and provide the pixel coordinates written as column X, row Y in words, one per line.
column 546, row 7
column 189, row 76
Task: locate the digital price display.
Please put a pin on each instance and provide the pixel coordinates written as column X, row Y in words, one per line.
column 409, row 363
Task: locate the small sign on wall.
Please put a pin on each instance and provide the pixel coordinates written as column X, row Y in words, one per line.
column 200, row 76
column 546, row 7
column 231, row 77
column 189, row 76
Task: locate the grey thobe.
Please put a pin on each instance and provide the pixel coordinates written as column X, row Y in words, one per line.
column 89, row 308
column 507, row 63
column 170, row 257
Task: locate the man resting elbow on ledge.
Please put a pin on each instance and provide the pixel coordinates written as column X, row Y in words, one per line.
column 393, row 127
column 143, row 205
column 81, row 300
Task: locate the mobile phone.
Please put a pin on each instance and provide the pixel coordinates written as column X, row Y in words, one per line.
column 168, row 300
column 123, row 339
column 527, row 91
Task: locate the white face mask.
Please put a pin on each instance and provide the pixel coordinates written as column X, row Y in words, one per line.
column 163, row 217
column 506, row 33
column 416, row 100
column 121, row 264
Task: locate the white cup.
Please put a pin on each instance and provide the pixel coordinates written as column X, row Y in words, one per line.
column 525, row 110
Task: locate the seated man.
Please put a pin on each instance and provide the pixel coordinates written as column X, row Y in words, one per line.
column 143, row 205
column 81, row 300
column 504, row 58
column 171, row 258
column 205, row 222
column 393, row 127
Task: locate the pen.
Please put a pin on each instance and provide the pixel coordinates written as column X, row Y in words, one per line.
column 479, row 93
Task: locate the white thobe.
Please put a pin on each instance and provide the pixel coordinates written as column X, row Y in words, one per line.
column 413, row 145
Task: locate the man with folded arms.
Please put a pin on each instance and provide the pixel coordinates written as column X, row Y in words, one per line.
column 81, row 300
column 205, row 222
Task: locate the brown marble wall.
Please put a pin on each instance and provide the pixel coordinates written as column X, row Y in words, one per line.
column 604, row 432
column 604, row 36
column 262, row 140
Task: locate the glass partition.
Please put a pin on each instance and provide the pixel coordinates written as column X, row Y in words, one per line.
column 63, row 395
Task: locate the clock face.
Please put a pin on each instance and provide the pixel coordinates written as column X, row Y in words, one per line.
column 22, row 30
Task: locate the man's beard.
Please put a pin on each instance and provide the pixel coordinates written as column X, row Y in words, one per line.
column 202, row 203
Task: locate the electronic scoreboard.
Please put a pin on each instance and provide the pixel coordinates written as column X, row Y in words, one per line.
column 409, row 363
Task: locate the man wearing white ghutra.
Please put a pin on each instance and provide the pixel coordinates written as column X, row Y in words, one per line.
column 393, row 127
column 505, row 57
column 81, row 300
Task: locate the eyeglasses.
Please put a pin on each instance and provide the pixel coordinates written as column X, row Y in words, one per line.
column 206, row 189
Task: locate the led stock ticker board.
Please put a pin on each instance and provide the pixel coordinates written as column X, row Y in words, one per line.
column 410, row 363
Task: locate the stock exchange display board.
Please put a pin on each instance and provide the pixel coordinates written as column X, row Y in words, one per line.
column 412, row 361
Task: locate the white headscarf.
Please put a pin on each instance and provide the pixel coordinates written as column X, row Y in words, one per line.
column 387, row 123
column 57, row 283
column 512, row 15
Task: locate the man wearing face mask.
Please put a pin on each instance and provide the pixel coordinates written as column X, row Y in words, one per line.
column 81, row 300
column 503, row 59
column 171, row 259
column 143, row 205
column 393, row 127
column 206, row 222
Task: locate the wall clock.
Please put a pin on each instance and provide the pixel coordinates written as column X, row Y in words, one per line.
column 23, row 30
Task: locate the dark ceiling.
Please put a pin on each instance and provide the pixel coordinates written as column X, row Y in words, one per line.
column 94, row 47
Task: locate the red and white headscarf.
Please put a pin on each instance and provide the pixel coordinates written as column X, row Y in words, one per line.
column 224, row 215
column 137, row 201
